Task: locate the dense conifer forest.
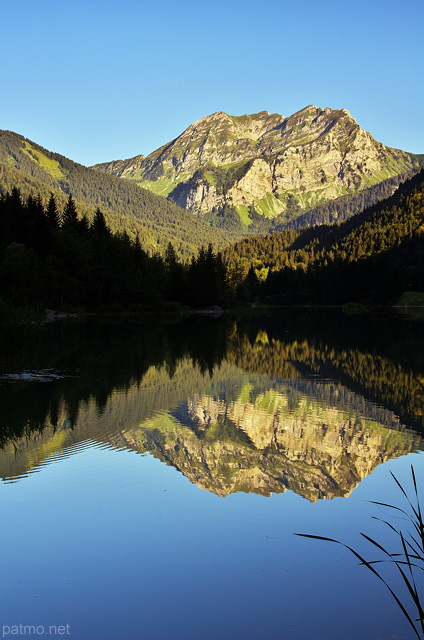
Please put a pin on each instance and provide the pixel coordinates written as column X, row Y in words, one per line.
column 379, row 368
column 35, row 170
column 347, row 206
column 54, row 257
column 371, row 257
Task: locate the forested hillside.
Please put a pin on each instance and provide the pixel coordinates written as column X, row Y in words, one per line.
column 373, row 256
column 57, row 258
column 160, row 365
column 60, row 260
column 127, row 207
column 347, row 206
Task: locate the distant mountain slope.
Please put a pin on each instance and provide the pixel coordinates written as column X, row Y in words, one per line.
column 345, row 207
column 264, row 164
column 26, row 165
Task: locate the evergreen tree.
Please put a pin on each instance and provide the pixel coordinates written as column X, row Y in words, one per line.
column 170, row 256
column 70, row 216
column 52, row 213
column 99, row 225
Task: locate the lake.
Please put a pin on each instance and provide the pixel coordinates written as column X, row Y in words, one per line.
column 154, row 473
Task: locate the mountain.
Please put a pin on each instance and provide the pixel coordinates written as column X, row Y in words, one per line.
column 316, row 451
column 35, row 170
column 264, row 165
column 311, row 404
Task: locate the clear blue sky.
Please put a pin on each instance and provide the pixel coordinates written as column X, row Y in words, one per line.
column 101, row 80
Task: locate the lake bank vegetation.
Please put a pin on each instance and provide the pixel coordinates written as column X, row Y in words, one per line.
column 373, row 257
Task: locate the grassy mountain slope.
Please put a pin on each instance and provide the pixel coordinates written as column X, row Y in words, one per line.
column 264, row 165
column 32, row 169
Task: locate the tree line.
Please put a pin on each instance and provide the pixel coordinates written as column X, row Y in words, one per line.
column 56, row 258
column 371, row 257
column 33, row 169
column 378, row 362
column 346, row 206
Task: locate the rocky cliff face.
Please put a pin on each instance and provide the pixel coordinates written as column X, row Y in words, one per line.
column 263, row 162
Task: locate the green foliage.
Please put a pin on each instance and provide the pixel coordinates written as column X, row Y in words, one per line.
column 100, row 227
column 52, row 212
column 32, row 169
column 70, row 217
column 228, row 220
column 50, row 165
column 343, row 207
column 275, row 357
column 409, row 560
column 86, row 265
column 372, row 257
column 216, row 152
column 92, row 260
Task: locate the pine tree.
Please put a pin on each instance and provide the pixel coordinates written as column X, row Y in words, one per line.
column 170, row 256
column 70, row 216
column 99, row 225
column 52, row 213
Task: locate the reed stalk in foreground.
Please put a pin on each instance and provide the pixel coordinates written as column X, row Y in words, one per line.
column 408, row 562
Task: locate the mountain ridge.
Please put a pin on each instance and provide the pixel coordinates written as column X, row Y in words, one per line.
column 263, row 164
column 35, row 170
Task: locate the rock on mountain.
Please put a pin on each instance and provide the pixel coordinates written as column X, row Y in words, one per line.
column 265, row 163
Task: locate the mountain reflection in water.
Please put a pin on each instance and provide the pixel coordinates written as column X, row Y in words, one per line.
column 307, row 404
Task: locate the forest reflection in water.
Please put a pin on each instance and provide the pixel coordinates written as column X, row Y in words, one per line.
column 306, row 402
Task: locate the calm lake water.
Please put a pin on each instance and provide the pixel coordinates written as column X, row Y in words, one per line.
column 153, row 475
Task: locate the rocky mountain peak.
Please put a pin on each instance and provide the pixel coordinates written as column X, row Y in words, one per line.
column 208, row 121
column 222, row 125
column 266, row 163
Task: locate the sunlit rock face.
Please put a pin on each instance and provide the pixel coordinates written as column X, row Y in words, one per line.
column 255, row 162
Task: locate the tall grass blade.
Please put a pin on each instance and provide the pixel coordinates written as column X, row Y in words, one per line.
column 405, row 494
column 410, row 558
column 368, row 565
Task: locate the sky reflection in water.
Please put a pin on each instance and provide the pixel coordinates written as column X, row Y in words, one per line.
column 122, row 545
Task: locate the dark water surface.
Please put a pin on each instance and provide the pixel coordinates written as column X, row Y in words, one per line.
column 153, row 474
